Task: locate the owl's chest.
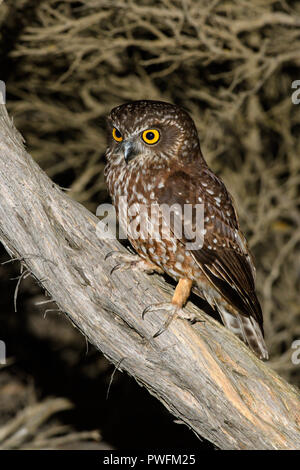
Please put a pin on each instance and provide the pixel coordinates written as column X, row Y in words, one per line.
column 135, row 200
column 132, row 186
column 134, row 194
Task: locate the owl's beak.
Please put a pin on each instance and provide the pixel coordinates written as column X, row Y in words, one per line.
column 130, row 151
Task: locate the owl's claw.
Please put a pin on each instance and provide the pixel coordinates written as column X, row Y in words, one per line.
column 174, row 312
column 131, row 261
column 115, row 254
column 115, row 268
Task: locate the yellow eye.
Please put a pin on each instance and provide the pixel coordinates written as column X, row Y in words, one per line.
column 151, row 136
column 117, row 135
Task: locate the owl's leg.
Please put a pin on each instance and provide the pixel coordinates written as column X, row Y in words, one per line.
column 131, row 261
column 174, row 308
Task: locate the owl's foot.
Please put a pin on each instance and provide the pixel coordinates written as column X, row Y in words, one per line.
column 174, row 312
column 130, row 261
column 174, row 308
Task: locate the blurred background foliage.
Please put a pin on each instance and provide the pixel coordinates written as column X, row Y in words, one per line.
column 231, row 64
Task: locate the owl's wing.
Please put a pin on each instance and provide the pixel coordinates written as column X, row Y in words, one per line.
column 224, row 257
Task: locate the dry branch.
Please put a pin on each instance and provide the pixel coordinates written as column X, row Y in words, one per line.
column 203, row 374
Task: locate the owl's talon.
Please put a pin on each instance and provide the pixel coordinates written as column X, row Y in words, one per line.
column 131, row 261
column 155, row 308
column 174, row 312
column 146, row 310
column 126, row 260
column 115, row 268
column 109, row 254
column 115, row 254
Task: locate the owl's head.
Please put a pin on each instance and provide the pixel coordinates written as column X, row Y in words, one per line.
column 151, row 130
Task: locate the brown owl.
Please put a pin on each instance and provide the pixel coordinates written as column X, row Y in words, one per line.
column 154, row 161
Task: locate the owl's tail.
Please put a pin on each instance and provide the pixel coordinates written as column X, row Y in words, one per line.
column 247, row 329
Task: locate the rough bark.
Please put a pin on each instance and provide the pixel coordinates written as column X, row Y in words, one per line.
column 202, row 373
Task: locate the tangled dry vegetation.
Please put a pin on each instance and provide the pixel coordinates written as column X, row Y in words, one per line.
column 229, row 63
column 27, row 430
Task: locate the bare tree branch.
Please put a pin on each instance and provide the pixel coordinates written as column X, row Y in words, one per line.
column 202, row 373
